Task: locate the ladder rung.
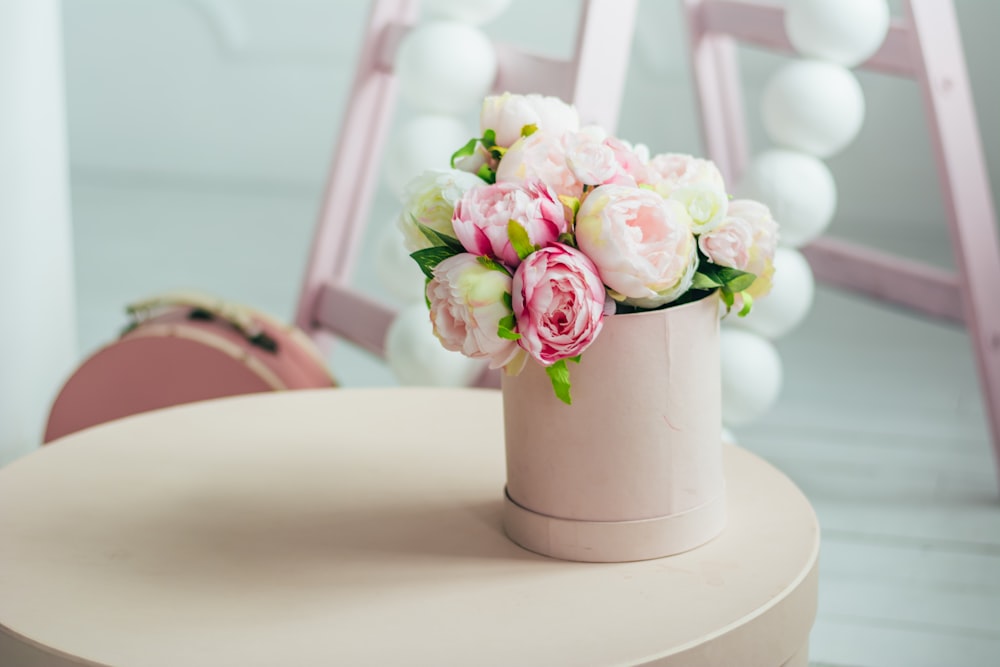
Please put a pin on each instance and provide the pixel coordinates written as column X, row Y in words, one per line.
column 764, row 25
column 915, row 285
column 354, row 316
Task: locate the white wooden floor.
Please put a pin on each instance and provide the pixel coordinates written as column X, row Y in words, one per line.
column 880, row 420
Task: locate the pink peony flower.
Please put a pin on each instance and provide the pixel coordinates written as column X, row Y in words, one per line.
column 482, row 216
column 631, row 160
column 541, row 156
column 567, row 163
column 591, row 161
column 695, row 183
column 467, row 304
column 764, row 229
column 729, row 243
column 667, row 172
column 640, row 242
column 597, row 159
column 558, row 303
column 507, row 115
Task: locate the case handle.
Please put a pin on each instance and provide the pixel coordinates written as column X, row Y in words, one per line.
column 206, row 306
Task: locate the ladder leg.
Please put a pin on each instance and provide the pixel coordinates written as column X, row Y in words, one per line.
column 353, row 174
column 715, row 71
column 600, row 60
column 965, row 187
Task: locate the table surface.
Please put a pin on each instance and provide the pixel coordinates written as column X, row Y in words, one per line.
column 362, row 527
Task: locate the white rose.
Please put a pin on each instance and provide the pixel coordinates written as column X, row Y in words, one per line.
column 705, row 204
column 508, row 114
column 430, row 199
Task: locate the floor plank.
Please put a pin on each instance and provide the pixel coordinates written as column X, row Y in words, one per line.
column 860, row 642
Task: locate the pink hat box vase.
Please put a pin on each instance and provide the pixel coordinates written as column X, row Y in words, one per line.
column 632, row 470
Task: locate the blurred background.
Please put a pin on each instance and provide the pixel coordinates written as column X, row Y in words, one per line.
column 200, row 133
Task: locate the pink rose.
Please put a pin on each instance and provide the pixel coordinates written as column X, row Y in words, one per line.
column 507, row 115
column 640, row 242
column 558, row 303
column 729, row 243
column 467, row 304
column 541, row 156
column 482, row 216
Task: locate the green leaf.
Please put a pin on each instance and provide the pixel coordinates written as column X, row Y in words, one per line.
column 491, row 263
column 489, row 139
column 728, row 298
column 747, row 304
column 559, row 375
column 529, row 130
column 437, row 238
column 428, row 258
column 519, row 239
column 575, row 359
column 705, row 281
column 567, row 238
column 506, row 326
column 572, row 203
column 735, row 279
column 484, row 172
column 465, row 151
column 508, row 300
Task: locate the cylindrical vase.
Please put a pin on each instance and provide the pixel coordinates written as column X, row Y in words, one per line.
column 632, row 470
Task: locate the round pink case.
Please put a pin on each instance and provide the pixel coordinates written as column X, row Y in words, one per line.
column 183, row 348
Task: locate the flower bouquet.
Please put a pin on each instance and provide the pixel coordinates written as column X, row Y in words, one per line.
column 542, row 229
column 550, row 248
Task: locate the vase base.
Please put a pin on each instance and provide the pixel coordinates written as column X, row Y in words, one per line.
column 613, row 541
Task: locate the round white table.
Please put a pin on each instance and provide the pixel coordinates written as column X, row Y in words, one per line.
column 362, row 527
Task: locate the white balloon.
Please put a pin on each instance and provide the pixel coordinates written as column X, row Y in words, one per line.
column 396, row 270
column 473, row 12
column 417, row 358
column 445, row 67
column 422, row 143
column 845, row 32
column 789, row 301
column 751, row 376
column 813, row 107
column 799, row 190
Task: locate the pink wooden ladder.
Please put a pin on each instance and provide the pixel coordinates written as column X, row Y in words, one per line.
column 593, row 79
column 924, row 45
